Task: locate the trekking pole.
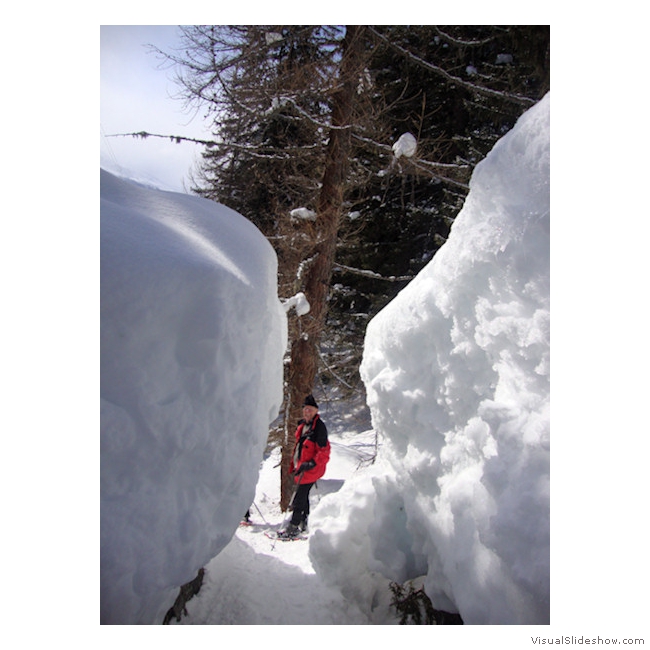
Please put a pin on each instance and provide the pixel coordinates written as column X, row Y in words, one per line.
column 295, row 487
column 260, row 513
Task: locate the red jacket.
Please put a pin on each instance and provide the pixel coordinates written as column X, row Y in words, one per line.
column 312, row 445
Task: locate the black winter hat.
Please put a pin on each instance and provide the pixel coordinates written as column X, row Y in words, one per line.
column 310, row 401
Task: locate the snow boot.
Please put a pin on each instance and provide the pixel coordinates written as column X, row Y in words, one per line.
column 303, row 525
column 291, row 532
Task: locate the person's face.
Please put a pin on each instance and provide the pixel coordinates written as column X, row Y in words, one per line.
column 308, row 412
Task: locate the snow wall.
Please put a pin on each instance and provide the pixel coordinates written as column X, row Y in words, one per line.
column 456, row 369
column 192, row 340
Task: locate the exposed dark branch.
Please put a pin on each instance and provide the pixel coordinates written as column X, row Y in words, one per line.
column 174, row 138
column 459, row 42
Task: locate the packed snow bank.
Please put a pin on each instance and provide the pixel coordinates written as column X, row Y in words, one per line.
column 457, row 375
column 192, row 339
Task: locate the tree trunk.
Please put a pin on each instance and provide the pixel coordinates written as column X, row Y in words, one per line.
column 305, row 348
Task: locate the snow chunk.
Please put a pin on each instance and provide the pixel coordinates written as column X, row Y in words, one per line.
column 405, row 146
column 192, row 332
column 303, row 213
column 456, row 370
column 300, row 302
column 273, row 37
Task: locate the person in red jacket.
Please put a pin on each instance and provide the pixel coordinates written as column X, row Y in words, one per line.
column 309, row 460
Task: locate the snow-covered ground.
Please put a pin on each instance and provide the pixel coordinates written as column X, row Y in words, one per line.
column 256, row 580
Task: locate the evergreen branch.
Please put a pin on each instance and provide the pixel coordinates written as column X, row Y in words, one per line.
column 481, row 90
column 335, row 375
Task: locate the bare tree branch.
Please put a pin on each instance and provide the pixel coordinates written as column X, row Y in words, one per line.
column 459, row 42
column 253, row 151
column 174, row 138
column 371, row 274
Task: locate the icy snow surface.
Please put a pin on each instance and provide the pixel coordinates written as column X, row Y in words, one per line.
column 192, row 339
column 457, row 374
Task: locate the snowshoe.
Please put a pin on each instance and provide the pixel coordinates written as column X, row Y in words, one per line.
column 291, row 531
column 290, row 534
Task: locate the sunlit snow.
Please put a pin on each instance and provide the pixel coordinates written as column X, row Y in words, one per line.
column 192, row 340
column 457, row 376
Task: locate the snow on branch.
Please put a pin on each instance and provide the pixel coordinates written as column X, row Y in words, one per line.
column 303, row 267
column 303, row 213
column 371, row 274
column 313, row 120
column 299, row 302
column 424, row 165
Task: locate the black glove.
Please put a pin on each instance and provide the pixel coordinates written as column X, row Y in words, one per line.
column 305, row 466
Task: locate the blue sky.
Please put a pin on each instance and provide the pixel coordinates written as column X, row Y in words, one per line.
column 136, row 95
